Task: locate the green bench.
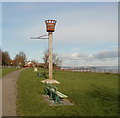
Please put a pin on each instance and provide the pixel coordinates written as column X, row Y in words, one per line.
column 39, row 74
column 42, row 75
column 53, row 93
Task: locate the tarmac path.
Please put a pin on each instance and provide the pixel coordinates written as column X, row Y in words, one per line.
column 0, row 97
column 9, row 93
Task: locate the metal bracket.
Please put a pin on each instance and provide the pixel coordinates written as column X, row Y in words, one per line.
column 40, row 37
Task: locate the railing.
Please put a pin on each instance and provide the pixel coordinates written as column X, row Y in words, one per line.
column 94, row 70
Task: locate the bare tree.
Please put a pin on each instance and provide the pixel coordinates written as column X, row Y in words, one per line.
column 20, row 59
column 35, row 63
column 56, row 59
column 45, row 58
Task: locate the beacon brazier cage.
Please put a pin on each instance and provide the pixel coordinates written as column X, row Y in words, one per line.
column 50, row 25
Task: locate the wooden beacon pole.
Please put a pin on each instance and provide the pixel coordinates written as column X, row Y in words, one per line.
column 50, row 27
column 50, row 55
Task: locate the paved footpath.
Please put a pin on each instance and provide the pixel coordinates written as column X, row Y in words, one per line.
column 0, row 97
column 9, row 93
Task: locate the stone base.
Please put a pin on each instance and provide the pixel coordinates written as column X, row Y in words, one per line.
column 51, row 81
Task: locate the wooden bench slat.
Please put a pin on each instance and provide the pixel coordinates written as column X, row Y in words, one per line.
column 61, row 94
column 58, row 93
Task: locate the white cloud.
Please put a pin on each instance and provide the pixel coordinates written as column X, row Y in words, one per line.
column 109, row 57
column 106, row 54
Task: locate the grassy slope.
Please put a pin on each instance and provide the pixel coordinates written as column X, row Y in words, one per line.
column 5, row 71
column 93, row 94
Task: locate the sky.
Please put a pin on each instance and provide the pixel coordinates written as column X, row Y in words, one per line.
column 86, row 33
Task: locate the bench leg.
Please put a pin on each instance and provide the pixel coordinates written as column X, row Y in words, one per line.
column 46, row 91
column 50, row 95
column 57, row 99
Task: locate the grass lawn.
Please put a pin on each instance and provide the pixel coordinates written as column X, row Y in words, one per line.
column 5, row 71
column 93, row 94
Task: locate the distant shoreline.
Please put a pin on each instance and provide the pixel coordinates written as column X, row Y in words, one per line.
column 97, row 67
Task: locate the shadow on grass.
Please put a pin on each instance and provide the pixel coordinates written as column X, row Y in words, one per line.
column 103, row 93
column 106, row 99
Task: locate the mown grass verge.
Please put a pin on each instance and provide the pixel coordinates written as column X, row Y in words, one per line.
column 5, row 71
column 93, row 94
